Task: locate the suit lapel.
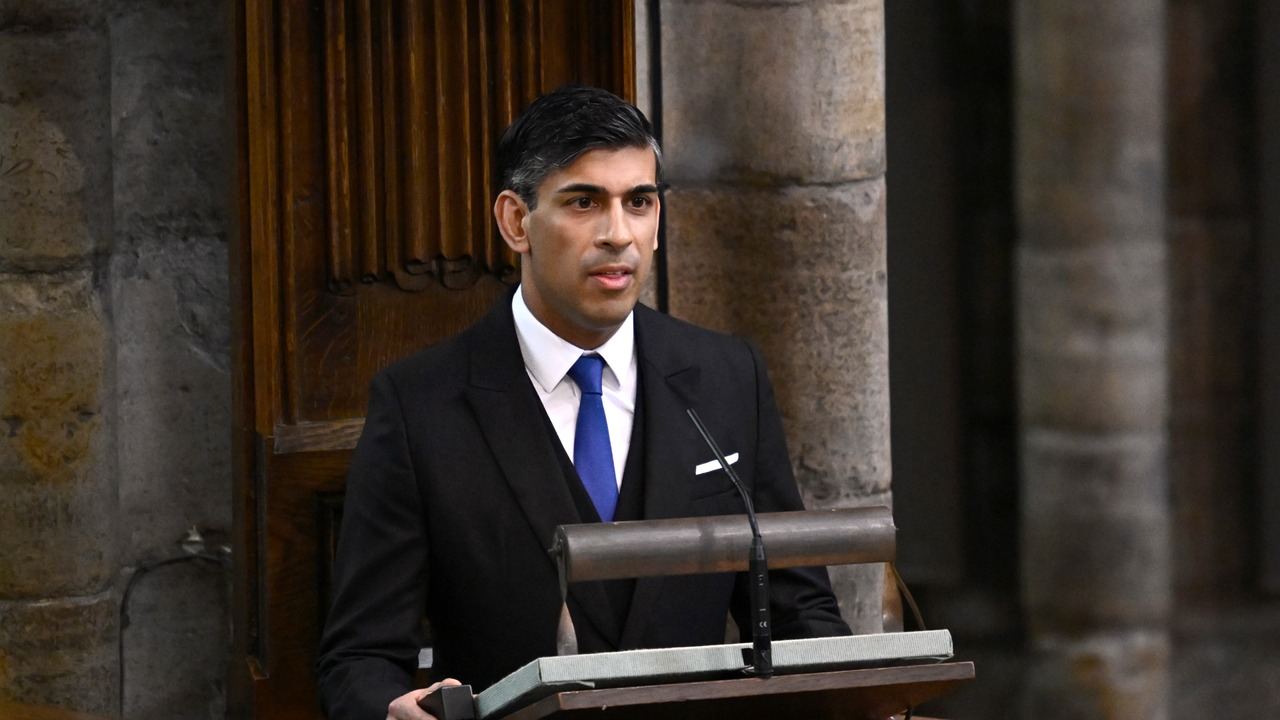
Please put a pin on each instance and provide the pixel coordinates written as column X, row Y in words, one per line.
column 670, row 384
column 506, row 408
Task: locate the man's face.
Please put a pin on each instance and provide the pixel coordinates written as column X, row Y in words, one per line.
column 590, row 243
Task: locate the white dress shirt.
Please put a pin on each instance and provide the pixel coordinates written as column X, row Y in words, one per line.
column 547, row 359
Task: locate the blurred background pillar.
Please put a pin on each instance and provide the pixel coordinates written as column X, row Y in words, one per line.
column 773, row 121
column 1092, row 343
column 58, row 467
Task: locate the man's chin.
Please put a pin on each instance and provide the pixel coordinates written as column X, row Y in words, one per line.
column 606, row 322
column 607, row 316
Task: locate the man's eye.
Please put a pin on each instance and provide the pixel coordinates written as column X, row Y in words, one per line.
column 640, row 201
column 582, row 203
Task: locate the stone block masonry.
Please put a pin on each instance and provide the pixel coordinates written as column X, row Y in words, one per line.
column 115, row 150
column 172, row 154
column 1092, row 344
column 56, row 458
column 58, row 466
column 773, row 116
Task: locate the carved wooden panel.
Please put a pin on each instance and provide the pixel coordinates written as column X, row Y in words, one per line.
column 416, row 96
column 367, row 130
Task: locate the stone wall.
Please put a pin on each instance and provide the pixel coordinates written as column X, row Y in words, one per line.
column 1092, row 339
column 173, row 152
column 1222, row 635
column 773, row 121
column 114, row 154
column 58, row 464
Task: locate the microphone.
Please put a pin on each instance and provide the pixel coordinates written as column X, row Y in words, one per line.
column 758, row 568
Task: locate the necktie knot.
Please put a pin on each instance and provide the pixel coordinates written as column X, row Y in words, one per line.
column 587, row 372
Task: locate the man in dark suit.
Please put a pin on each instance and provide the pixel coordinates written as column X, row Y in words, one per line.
column 565, row 404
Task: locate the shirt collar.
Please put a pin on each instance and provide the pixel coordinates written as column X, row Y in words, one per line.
column 548, row 356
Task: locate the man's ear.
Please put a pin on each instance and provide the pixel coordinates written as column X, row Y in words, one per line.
column 510, row 211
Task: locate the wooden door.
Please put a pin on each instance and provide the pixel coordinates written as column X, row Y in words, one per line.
column 367, row 129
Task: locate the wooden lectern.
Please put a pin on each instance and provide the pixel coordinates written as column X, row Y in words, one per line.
column 874, row 694
column 818, row 679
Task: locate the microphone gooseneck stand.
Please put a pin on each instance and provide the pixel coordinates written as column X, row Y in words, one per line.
column 758, row 570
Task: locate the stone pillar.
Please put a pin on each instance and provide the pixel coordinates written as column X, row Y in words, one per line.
column 1092, row 342
column 773, row 119
column 58, row 476
column 172, row 158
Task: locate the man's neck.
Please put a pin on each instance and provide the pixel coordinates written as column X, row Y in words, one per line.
column 548, row 356
column 585, row 338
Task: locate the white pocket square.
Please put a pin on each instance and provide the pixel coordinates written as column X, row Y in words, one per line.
column 707, row 467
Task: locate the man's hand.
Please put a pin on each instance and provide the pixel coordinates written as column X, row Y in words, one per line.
column 406, row 707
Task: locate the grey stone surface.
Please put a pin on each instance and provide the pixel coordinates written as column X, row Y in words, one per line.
column 61, row 652
column 58, row 463
column 1109, row 676
column 55, row 153
column 768, row 93
column 57, row 448
column 859, row 590
column 1087, row 571
column 1092, row 368
column 1092, row 326
column 57, row 456
column 176, row 643
column 1090, row 121
column 1097, row 474
column 174, row 391
column 1095, row 531
column 115, row 154
column 800, row 271
column 173, row 154
column 172, row 139
column 773, row 116
column 1226, row 661
column 169, row 269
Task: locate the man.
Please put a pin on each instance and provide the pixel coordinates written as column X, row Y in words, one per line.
column 565, row 404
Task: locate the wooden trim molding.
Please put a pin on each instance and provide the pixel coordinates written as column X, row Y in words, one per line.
column 318, row 436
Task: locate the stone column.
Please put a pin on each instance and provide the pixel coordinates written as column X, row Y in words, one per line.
column 773, row 118
column 171, row 158
column 1092, row 342
column 58, row 478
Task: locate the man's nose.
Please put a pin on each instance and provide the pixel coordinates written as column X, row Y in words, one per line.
column 617, row 231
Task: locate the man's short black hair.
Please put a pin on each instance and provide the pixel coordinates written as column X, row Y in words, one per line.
column 558, row 127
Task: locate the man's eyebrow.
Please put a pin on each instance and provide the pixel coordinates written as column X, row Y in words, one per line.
column 582, row 188
column 598, row 190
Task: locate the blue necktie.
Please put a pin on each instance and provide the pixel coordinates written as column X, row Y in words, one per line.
column 592, row 452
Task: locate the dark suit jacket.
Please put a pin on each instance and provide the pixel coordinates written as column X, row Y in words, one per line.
column 456, row 487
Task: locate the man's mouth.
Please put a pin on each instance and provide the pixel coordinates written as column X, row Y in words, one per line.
column 613, row 279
